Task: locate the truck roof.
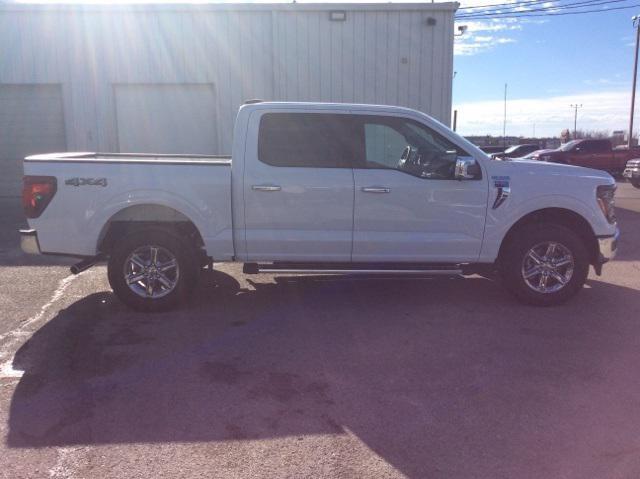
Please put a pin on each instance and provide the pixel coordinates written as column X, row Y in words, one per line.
column 256, row 104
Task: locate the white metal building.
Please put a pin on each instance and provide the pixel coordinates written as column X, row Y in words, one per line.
column 169, row 78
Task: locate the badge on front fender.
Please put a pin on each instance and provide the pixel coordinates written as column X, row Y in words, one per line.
column 503, row 185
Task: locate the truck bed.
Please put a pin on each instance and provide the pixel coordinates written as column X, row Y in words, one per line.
column 96, row 188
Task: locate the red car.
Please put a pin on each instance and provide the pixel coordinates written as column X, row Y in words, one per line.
column 590, row 153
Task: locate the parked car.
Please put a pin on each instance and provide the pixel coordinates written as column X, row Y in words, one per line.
column 492, row 149
column 591, row 153
column 323, row 188
column 516, row 151
column 534, row 155
column 632, row 172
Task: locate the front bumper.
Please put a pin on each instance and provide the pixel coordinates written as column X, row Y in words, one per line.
column 29, row 241
column 608, row 246
column 631, row 173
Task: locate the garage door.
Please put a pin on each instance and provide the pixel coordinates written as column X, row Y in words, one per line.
column 31, row 121
column 166, row 119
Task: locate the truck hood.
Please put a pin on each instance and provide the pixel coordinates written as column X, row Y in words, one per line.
column 538, row 168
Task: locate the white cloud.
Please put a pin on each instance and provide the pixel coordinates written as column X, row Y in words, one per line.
column 605, row 82
column 601, row 111
column 484, row 35
column 475, row 40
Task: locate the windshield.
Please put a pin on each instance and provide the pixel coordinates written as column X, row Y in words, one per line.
column 568, row 146
column 511, row 149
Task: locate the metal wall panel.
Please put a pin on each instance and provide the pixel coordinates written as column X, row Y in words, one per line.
column 178, row 118
column 382, row 53
column 31, row 122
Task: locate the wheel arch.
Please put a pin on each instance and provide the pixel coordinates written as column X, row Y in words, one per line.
column 561, row 216
column 147, row 216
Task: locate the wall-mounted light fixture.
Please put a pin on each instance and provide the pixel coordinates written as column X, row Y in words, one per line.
column 461, row 30
column 337, row 15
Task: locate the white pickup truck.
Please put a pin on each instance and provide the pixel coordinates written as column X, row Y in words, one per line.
column 323, row 189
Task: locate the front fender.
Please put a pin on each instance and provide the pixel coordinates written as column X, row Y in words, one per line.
column 502, row 219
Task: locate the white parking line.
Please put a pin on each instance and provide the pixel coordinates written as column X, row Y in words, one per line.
column 8, row 348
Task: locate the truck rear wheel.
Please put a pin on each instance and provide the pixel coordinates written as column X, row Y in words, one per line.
column 152, row 270
column 544, row 264
column 635, row 183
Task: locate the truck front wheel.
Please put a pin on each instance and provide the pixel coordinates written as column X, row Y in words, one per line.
column 152, row 270
column 544, row 264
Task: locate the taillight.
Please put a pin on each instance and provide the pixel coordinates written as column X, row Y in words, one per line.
column 37, row 192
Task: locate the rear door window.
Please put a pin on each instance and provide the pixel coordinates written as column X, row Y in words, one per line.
column 594, row 146
column 601, row 146
column 308, row 140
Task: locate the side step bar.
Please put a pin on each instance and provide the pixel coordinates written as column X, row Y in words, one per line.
column 354, row 269
column 86, row 263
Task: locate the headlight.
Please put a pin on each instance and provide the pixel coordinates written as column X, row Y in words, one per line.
column 605, row 195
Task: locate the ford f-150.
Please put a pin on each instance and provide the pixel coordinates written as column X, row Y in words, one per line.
column 590, row 153
column 323, row 189
column 632, row 172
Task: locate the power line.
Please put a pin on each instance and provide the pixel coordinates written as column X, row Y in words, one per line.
column 549, row 14
column 570, row 6
column 514, row 5
column 502, row 4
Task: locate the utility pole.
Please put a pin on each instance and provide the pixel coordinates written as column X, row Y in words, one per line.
column 504, row 123
column 575, row 120
column 455, row 112
column 635, row 19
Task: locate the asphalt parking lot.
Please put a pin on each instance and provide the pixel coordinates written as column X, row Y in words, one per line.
column 277, row 377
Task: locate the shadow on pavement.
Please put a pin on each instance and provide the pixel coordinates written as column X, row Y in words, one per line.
column 629, row 224
column 445, row 377
column 12, row 219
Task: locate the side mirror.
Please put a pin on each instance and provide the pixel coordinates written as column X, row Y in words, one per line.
column 466, row 169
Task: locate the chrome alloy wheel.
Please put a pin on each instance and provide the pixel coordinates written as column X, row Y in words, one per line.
column 548, row 267
column 151, row 271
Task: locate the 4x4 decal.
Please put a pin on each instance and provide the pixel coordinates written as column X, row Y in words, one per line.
column 86, row 182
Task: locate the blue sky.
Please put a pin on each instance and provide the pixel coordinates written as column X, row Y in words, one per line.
column 548, row 63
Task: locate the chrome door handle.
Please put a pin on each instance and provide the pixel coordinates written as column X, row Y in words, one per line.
column 376, row 189
column 266, row 188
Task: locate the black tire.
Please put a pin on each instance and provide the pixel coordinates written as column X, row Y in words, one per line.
column 636, row 183
column 515, row 261
column 183, row 277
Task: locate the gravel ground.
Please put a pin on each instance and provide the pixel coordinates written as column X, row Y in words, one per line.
column 278, row 377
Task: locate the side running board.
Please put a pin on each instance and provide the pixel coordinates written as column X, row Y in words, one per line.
column 352, row 269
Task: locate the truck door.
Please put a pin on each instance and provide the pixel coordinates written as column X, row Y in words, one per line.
column 298, row 187
column 603, row 155
column 408, row 206
column 593, row 154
